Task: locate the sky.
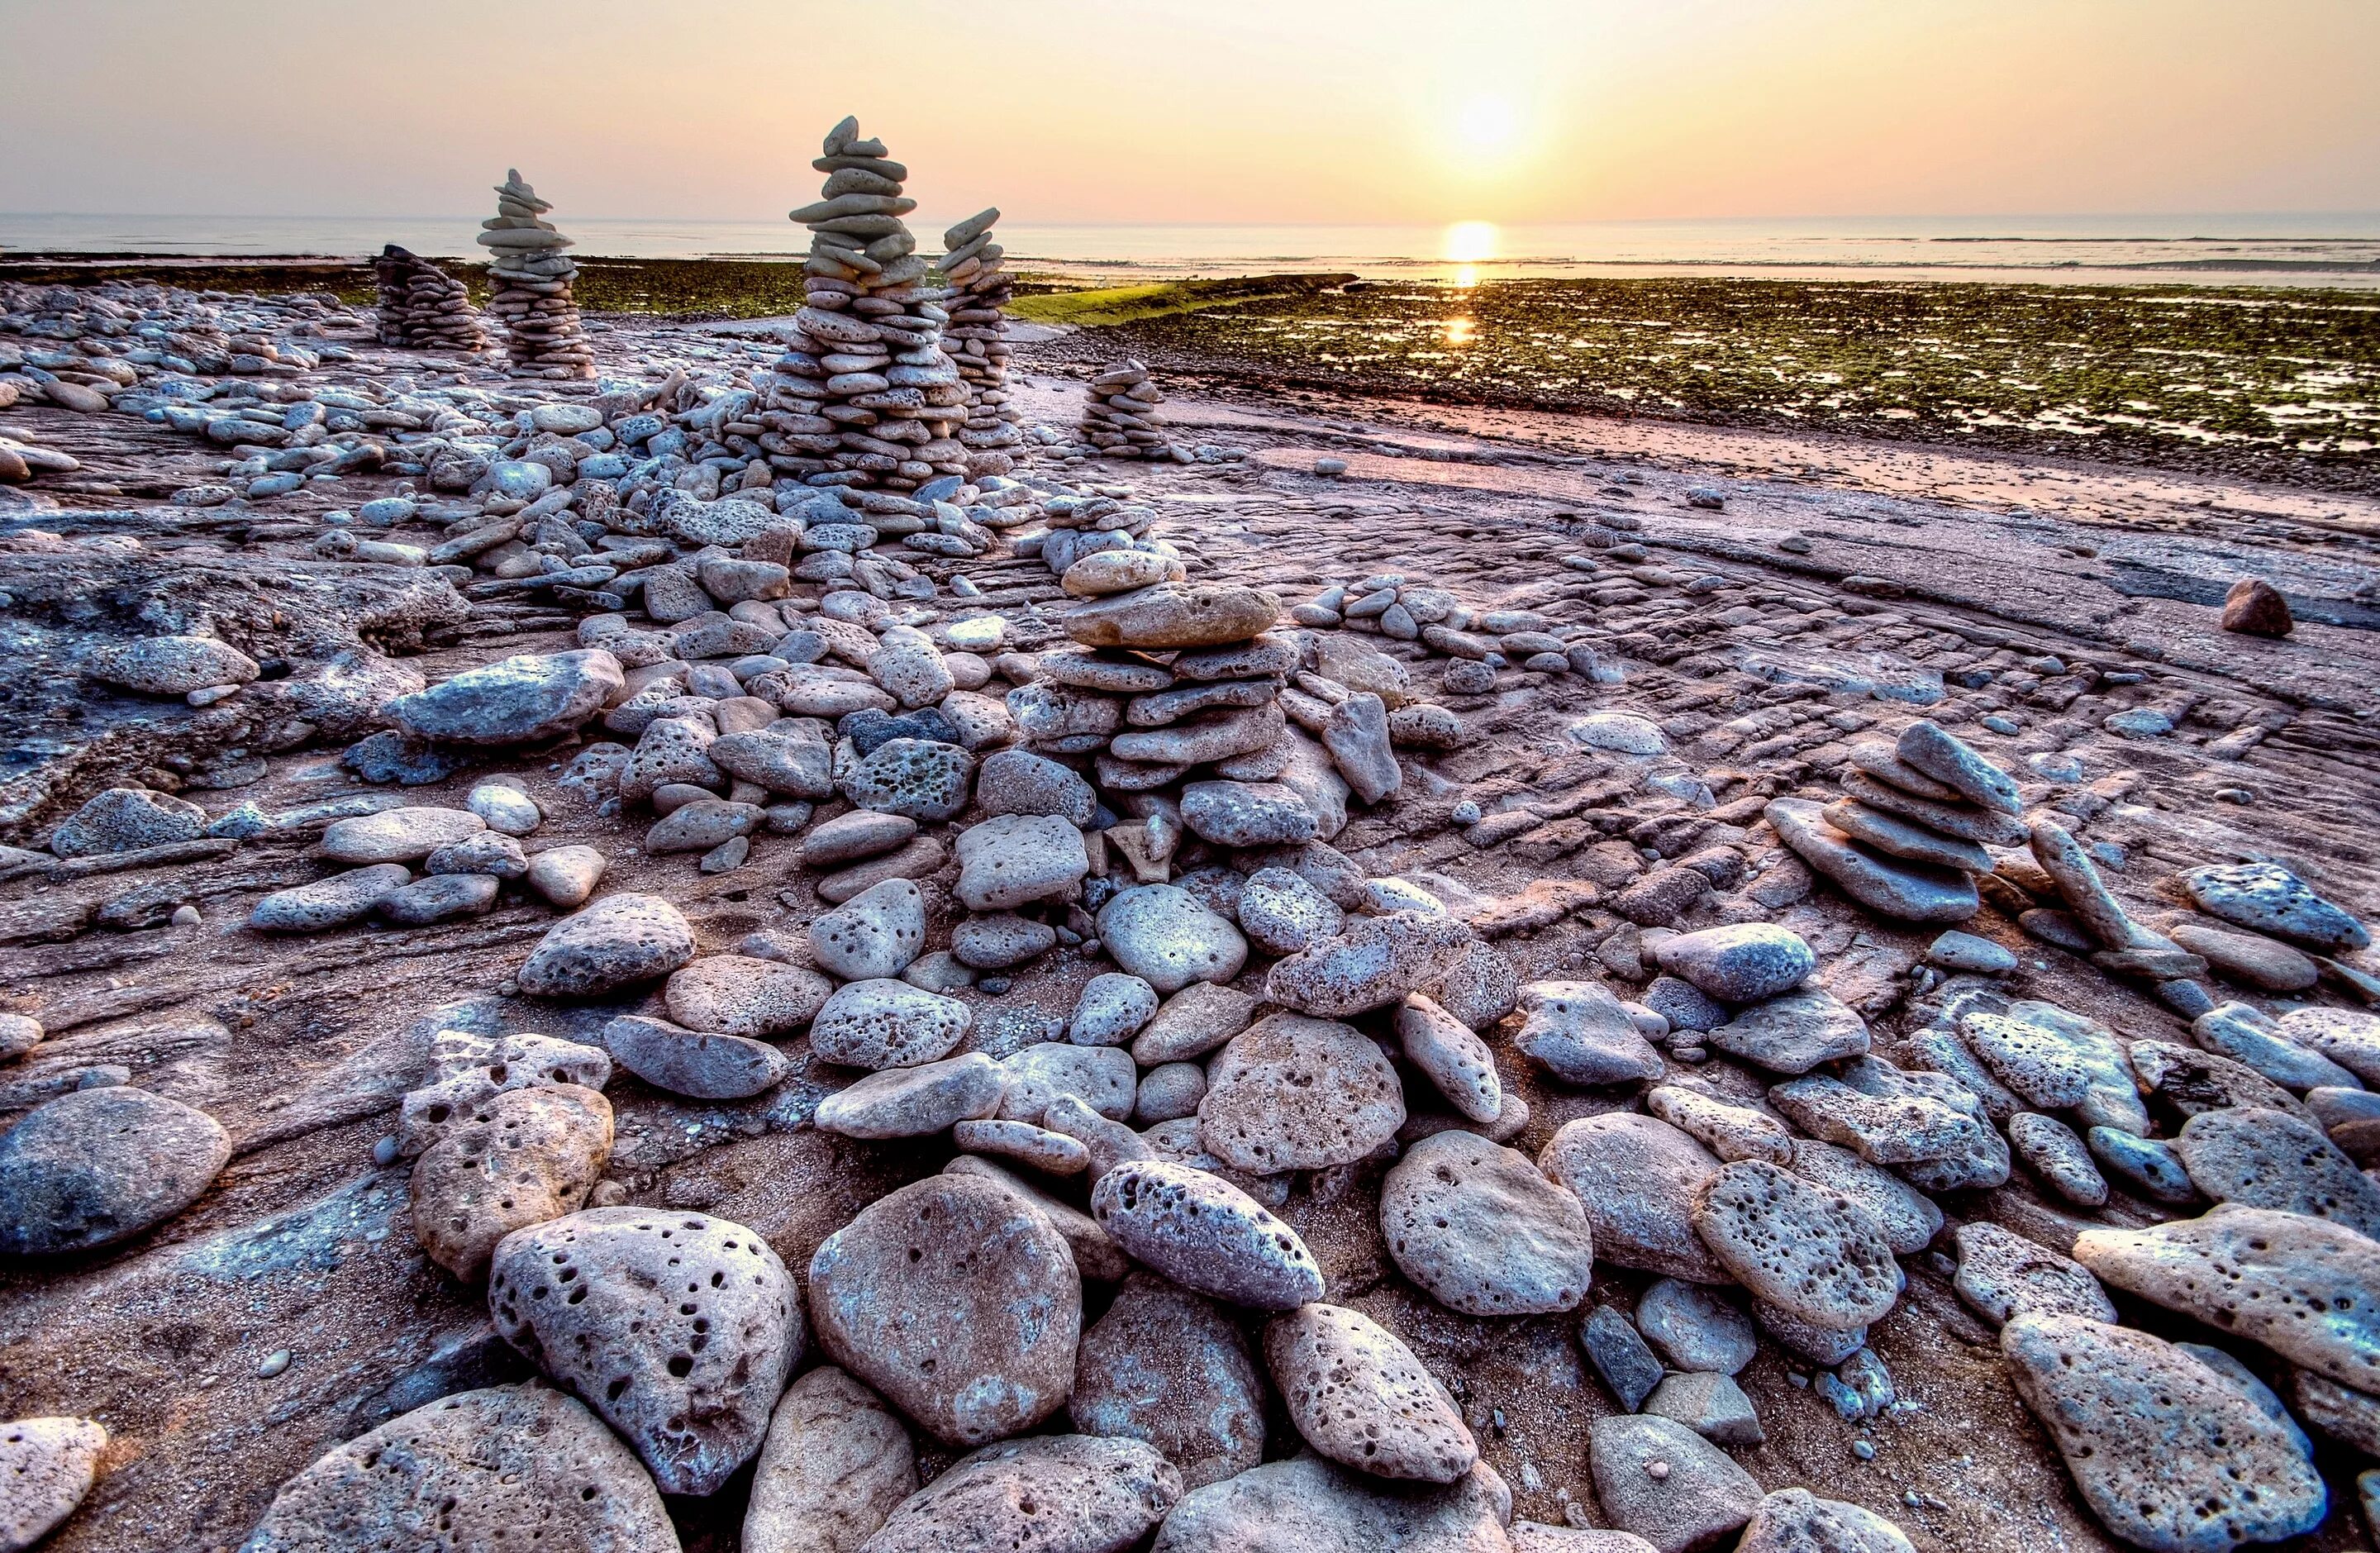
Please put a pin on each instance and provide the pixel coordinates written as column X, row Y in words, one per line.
column 1220, row 111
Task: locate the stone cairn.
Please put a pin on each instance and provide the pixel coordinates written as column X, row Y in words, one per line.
column 864, row 395
column 979, row 285
column 422, row 306
column 532, row 286
column 1120, row 417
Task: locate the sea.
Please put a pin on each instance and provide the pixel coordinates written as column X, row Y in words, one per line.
column 2340, row 249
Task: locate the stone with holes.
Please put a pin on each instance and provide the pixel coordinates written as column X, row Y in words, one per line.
column 887, row 1024
column 1170, row 1368
column 1796, row 1520
column 1357, row 1395
column 1206, row 1234
column 520, row 1158
column 1308, row 1505
column 618, row 941
column 958, row 1301
column 2002, row 1276
column 678, row 1329
column 1165, row 936
column 46, row 1467
column 1046, row 1494
column 1809, row 1252
column 1482, row 1231
column 2268, row 1159
column 506, row 1466
column 738, row 995
column 1291, row 1092
column 1374, row 961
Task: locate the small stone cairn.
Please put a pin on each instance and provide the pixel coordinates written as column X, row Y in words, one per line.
column 1120, row 418
column 532, row 286
column 981, row 286
column 864, row 397
column 422, row 306
column 1907, row 837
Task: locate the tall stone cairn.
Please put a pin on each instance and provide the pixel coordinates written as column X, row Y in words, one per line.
column 532, row 279
column 1120, row 417
column 975, row 341
column 864, row 395
column 422, row 306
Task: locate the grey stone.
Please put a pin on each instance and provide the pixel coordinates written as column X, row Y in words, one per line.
column 1205, row 1235
column 1743, row 963
column 1011, row 859
column 2002, row 1276
column 520, row 1158
column 2168, row 1453
column 98, row 1166
column 46, row 1467
column 1637, row 1177
column 1192, row 1022
column 2347, row 1036
column 1810, row 1252
column 1161, row 933
column 1794, row 1033
column 1453, row 1058
column 1359, row 1396
column 1244, row 814
column 682, row 1338
column 2246, row 1035
column 172, row 665
column 915, row 778
column 2267, row 1158
column 738, row 995
column 128, row 819
column 1927, row 748
column 1168, row 1368
column 477, row 1469
column 2268, row 898
column 1285, row 914
column 618, row 941
column 958, row 1303
column 872, row 936
column 2248, row 958
column 914, row 1102
column 1897, row 888
column 1018, row 782
column 2052, row 1151
column 1620, row 1355
column 2149, row 1167
column 1170, row 1092
column 1113, row 1008
column 1698, row 1498
column 490, row 853
column 1356, row 734
column 703, row 1065
column 1309, row 1505
column 1292, row 1093
column 438, row 898
column 1711, row 1405
column 1908, row 1217
column 1796, row 1520
column 1731, row 1132
column 328, row 903
column 1102, row 1077
column 1695, row 1327
column 514, row 701
column 1046, row 1494
column 1374, row 961
column 1483, row 1232
column 1579, row 1032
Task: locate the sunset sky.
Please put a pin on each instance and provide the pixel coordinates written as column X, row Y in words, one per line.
column 1210, row 110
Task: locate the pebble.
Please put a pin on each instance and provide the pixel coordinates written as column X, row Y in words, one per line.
column 1712, row 1405
column 1310, row 1503
column 1012, row 859
column 1620, row 1355
column 2166, row 1452
column 1192, row 1022
column 1246, row 814
column 619, row 941
column 1163, row 935
column 700, row 1065
column 509, row 1464
column 737, row 995
column 872, row 936
column 97, row 1166
column 1018, row 782
column 1637, row 1177
column 1695, row 1327
column 914, row 778
column 682, row 1340
column 172, row 665
column 1451, row 1056
column 1113, row 1008
column 1102, row 1077
column 2052, row 1151
column 1698, row 1498
column 1291, row 1092
column 438, row 898
column 914, row 1102
column 567, row 875
column 957, row 1302
column 521, row 1157
column 1480, row 1230
column 1168, row 1368
column 1925, row 747
column 1359, row 1396
column 2250, row 959
column 1955, row 950
column 2246, row 1035
column 1731, row 1132
column 2254, row 607
column 1205, row 1235
column 506, row 810
column 1170, row 1092
column 1894, row 887
column 2147, row 1165
column 847, row 838
column 46, row 1467
column 1047, row 1494
column 1743, row 963
column 2268, row 898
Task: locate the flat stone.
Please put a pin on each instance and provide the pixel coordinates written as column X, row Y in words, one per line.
column 1011, row 859
column 172, row 665
column 738, row 995
column 1292, row 1093
column 2270, row 1159
column 1955, row 950
column 2002, row 1276
column 2268, row 898
column 1360, row 1397
column 1285, row 914
column 1168, row 1368
column 678, row 1328
column 1620, row 1355
column 98, row 1166
column 1356, row 734
column 959, row 1304
column 1810, row 1252
column 1906, row 839
column 1928, row 748
column 507, row 1466
column 915, row 778
column 874, row 935
column 2149, row 1167
column 2250, row 959
column 1113, row 1008
column 1796, row 1520
column 1192, row 1022
column 1246, row 814
column 400, row 835
column 128, row 819
column 2166, row 1452
column 2247, row 1036
column 1908, row 891
column 514, row 701
column 1697, row 1500
column 618, row 941
column 1712, row 1405
column 1794, row 1033
column 2347, row 1036
column 1019, row 781
column 2052, row 1151
column 1102, row 1077
column 1582, row 1034
column 1884, row 1130
column 520, row 1158
column 914, row 1102
column 1172, row 615
column 329, row 902
column 1482, row 1230
column 1743, row 963
column 1731, row 1132
column 1695, row 1327
column 1536, row 1537
column 1450, row 1055
column 1046, row 1494
column 701, row 1065
column 1309, row 1503
column 1161, row 933
column 885, row 1023
column 1637, row 1177
column 1205, row 1235
column 2193, row 1081
column 46, row 1467
column 1908, row 1217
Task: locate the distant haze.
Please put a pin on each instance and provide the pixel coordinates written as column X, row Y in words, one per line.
column 1250, row 111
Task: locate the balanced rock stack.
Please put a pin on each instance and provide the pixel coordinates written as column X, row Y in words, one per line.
column 1120, row 418
column 533, row 282
column 1908, row 838
column 979, row 285
column 864, row 395
column 422, row 306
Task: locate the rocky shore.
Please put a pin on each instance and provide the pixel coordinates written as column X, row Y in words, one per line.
column 1353, row 983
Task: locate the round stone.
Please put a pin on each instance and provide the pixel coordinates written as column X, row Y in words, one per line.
column 873, row 935
column 99, row 1166
column 618, row 941
column 1360, row 1397
column 1291, row 1092
column 1046, row 1494
column 1113, row 1009
column 1205, row 1235
column 737, row 995
column 1742, row 963
column 1637, row 1177
column 1161, row 933
column 886, row 1024
column 1810, row 1252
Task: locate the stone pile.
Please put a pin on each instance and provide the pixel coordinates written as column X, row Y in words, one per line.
column 864, row 397
column 532, row 279
column 1907, row 837
column 1121, row 419
column 1479, row 641
column 422, row 306
column 973, row 269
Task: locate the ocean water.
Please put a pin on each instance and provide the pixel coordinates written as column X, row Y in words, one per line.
column 2341, row 250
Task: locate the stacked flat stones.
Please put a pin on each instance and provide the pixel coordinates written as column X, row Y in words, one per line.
column 422, row 306
column 864, row 395
column 533, row 279
column 1413, row 609
column 1120, row 417
column 973, row 269
column 1908, row 838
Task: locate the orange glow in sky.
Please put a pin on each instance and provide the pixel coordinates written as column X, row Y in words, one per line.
column 1239, row 110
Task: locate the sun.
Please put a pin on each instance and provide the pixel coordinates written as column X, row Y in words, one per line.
column 1468, row 242
column 1487, row 124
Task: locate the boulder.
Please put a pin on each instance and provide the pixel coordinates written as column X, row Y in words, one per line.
column 98, row 1166
column 520, row 1158
column 514, row 701
column 1483, row 1232
column 1359, row 1395
column 1205, row 1235
column 618, row 941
